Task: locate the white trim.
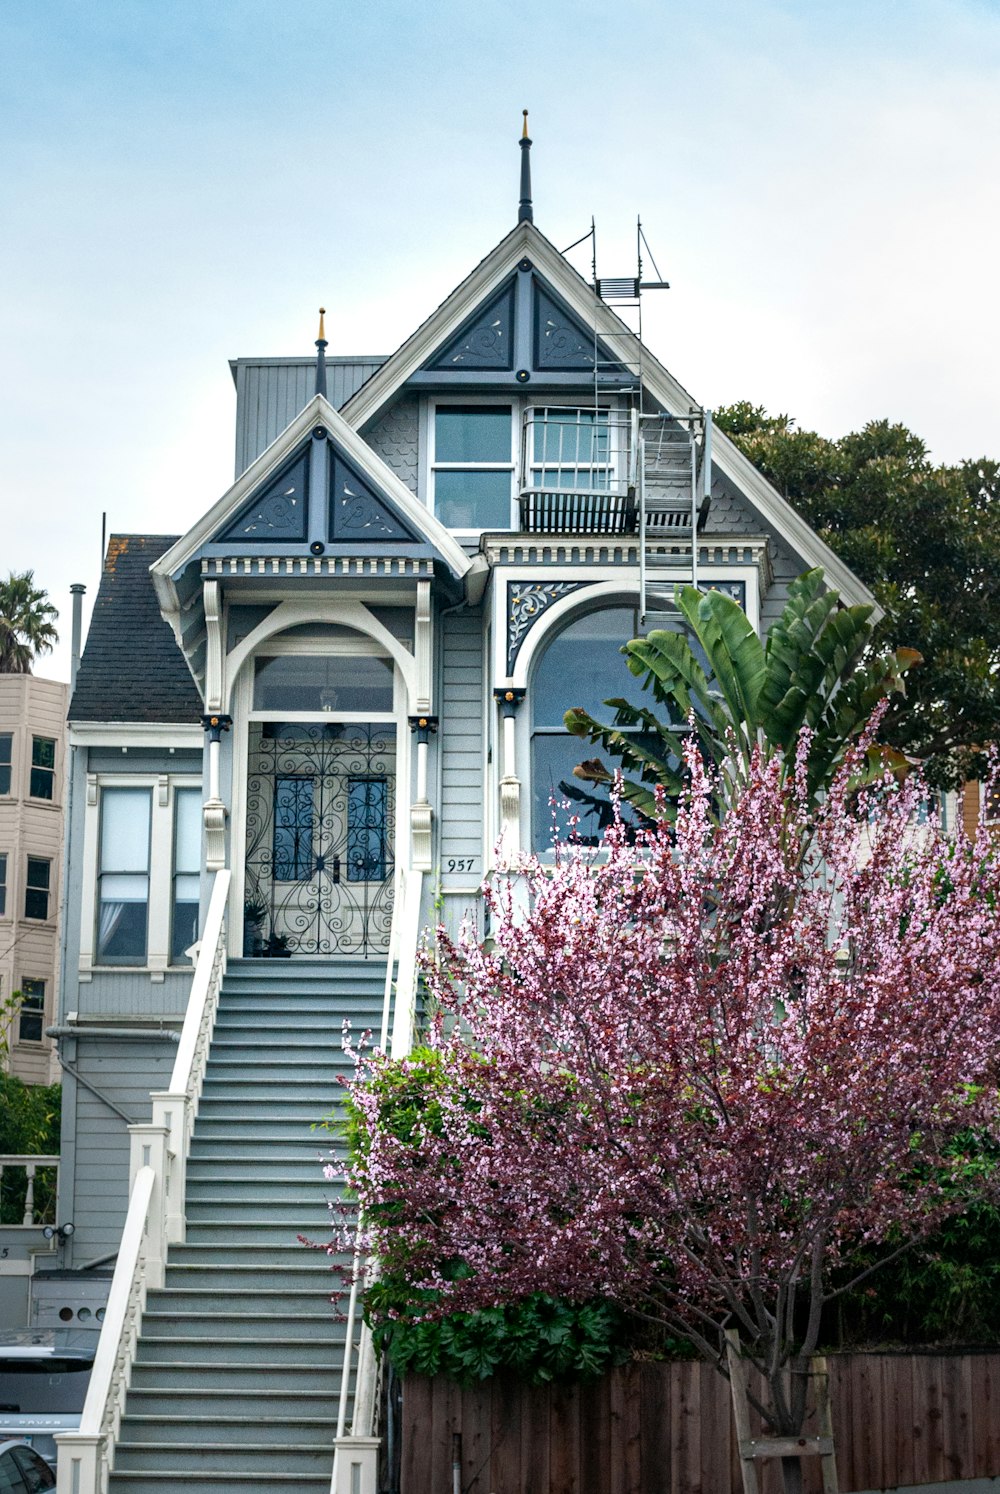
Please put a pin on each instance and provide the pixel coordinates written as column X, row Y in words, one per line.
column 317, row 412
column 161, row 867
column 135, row 734
column 579, row 297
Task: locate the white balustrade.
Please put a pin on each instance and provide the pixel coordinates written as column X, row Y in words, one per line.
column 155, row 1219
column 30, row 1166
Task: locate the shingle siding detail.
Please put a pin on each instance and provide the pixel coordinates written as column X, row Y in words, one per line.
column 395, row 438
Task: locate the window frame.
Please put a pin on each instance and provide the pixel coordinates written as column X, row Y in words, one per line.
column 43, row 768
column 31, row 887
column 175, row 956
column 31, row 1011
column 114, row 961
column 4, row 884
column 432, row 466
column 7, row 765
column 159, row 926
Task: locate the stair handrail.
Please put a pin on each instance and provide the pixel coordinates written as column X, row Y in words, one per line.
column 86, row 1456
column 176, row 1108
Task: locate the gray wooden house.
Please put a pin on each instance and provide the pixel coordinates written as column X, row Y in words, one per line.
column 302, row 732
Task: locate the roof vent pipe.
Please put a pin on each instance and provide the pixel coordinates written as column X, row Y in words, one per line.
column 76, row 592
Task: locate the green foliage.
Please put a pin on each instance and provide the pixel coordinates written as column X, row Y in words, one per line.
column 29, row 1126
column 926, row 540
column 539, row 1338
column 814, row 669
column 26, row 623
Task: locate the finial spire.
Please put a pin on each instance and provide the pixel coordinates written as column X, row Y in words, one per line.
column 525, row 211
column 321, row 355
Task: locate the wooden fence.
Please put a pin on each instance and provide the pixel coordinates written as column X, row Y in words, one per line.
column 667, row 1429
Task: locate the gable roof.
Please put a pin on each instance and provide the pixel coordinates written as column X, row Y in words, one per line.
column 317, row 412
column 132, row 669
column 473, row 292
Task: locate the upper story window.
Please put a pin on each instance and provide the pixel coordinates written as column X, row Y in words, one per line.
column 43, row 768
column 37, row 888
column 123, row 876
column 472, row 465
column 6, row 752
column 3, row 883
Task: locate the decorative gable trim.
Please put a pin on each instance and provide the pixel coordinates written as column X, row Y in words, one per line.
column 486, row 342
column 394, row 501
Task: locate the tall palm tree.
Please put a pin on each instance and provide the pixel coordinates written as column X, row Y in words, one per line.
column 26, row 623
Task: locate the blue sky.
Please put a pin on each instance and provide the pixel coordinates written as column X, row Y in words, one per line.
column 187, row 182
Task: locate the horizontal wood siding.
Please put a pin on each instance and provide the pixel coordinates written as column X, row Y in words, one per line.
column 124, row 1072
column 667, row 1429
column 131, row 994
column 461, row 747
column 270, row 394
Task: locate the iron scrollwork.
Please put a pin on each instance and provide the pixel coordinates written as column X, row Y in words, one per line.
column 320, row 823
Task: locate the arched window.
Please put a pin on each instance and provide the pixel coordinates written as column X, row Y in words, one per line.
column 582, row 666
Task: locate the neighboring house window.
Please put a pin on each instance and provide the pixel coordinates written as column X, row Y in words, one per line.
column 37, row 888
column 6, row 748
column 123, row 878
column 472, row 470
column 43, row 768
column 187, row 871
column 582, row 666
column 3, row 883
column 31, row 1014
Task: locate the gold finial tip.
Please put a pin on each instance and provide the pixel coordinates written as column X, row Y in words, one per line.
column 524, row 131
column 322, row 333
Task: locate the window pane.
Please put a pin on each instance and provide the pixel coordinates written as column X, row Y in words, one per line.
column 307, row 682
column 36, row 894
column 125, row 830
column 3, row 883
column 570, row 436
column 6, row 744
column 472, row 433
column 584, row 666
column 473, row 500
column 43, row 752
column 367, row 802
column 31, row 1018
column 293, row 829
column 121, row 926
column 187, row 830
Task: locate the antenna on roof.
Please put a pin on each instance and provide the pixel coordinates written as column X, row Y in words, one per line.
column 525, row 211
column 321, row 355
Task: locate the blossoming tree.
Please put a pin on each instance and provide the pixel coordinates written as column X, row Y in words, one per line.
column 702, row 1075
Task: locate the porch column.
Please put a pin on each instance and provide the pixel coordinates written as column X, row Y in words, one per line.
column 214, row 810
column 421, row 814
column 509, row 699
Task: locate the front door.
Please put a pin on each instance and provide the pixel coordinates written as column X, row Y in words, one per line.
column 320, row 831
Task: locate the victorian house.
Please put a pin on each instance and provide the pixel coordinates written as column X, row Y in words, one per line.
column 304, row 731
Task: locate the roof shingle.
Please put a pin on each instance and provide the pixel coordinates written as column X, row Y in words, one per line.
column 132, row 669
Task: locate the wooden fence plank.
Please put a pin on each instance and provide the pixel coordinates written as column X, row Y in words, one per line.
column 686, row 1462
column 416, row 1422
column 631, row 1428
column 655, row 1381
column 986, row 1415
column 535, row 1439
column 476, row 1415
column 564, row 1437
column 956, row 1421
column 901, row 1449
column 505, row 1423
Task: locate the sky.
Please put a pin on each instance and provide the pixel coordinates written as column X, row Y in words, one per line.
column 182, row 183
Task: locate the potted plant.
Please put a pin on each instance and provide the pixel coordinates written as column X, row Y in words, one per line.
column 277, row 948
column 254, row 914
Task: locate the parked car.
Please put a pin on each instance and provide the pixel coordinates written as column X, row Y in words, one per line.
column 44, row 1374
column 22, row 1470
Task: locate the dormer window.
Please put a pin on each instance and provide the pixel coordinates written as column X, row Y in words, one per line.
column 472, row 465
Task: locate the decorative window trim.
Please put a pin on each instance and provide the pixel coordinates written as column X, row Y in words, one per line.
column 162, row 788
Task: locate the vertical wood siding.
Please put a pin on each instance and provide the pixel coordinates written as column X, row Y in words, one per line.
column 667, row 1429
column 270, row 394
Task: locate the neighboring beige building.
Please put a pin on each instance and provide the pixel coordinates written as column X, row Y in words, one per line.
column 32, row 787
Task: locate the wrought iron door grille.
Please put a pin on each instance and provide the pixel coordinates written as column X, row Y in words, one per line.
column 320, row 822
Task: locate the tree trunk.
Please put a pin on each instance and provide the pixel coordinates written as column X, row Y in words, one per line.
column 791, row 1474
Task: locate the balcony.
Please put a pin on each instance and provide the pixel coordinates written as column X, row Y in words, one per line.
column 608, row 472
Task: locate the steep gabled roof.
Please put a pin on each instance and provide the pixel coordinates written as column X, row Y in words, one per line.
column 454, row 312
column 132, row 669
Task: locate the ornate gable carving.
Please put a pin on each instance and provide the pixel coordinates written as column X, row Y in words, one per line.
column 279, row 511
column 486, row 342
column 561, row 342
column 357, row 513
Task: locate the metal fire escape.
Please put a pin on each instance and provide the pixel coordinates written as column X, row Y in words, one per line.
column 622, row 468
